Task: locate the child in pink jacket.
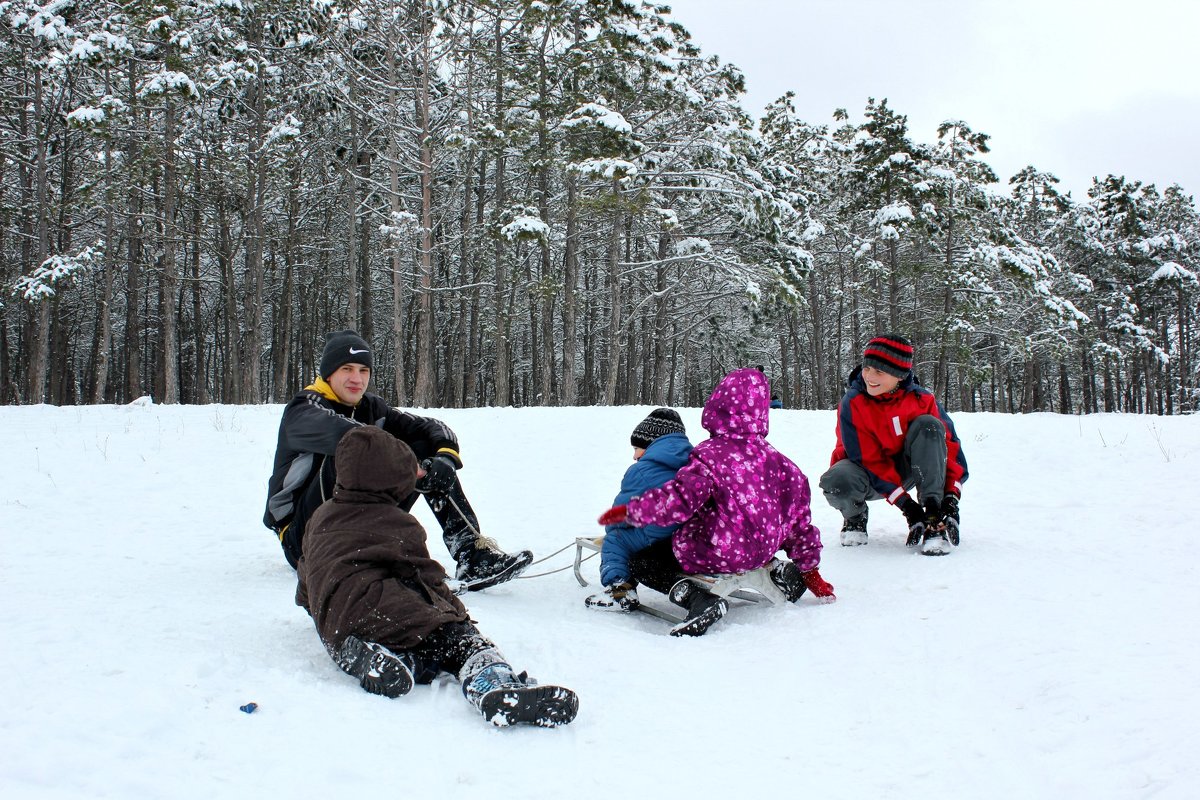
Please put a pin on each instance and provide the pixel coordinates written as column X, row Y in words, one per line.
column 739, row 500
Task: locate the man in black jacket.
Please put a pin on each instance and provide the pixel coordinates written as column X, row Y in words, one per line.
column 304, row 475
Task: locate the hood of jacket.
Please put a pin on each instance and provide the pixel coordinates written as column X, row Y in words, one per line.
column 671, row 450
column 739, row 406
column 373, row 466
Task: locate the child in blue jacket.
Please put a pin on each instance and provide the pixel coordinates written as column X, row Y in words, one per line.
column 660, row 448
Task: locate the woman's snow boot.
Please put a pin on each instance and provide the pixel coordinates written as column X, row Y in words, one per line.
column 704, row 608
column 621, row 596
column 378, row 669
column 505, row 698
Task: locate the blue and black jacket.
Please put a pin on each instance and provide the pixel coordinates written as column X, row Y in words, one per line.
column 658, row 464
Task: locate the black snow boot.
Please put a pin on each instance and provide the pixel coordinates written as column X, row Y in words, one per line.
column 505, row 698
column 378, row 669
column 621, row 596
column 704, row 608
column 854, row 530
column 935, row 543
column 483, row 564
column 786, row 576
column 941, row 529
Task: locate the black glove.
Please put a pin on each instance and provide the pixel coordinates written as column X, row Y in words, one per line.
column 950, row 517
column 440, row 474
column 950, row 506
column 913, row 513
column 918, row 518
column 933, row 513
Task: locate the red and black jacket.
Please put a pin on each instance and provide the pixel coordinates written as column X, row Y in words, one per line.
column 871, row 431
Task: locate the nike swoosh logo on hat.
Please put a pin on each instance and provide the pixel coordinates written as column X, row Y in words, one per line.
column 354, row 352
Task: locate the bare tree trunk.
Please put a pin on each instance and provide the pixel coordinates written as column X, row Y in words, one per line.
column 658, row 372
column 941, row 378
column 169, row 279
column 570, row 383
column 1184, row 376
column 255, row 238
column 104, row 313
column 461, row 363
column 351, row 178
column 544, row 357
column 201, row 395
column 471, row 393
column 785, row 368
column 615, row 339
column 502, row 369
column 894, row 285
column 424, row 391
column 283, row 318
column 40, row 346
column 366, row 316
column 1064, row 388
column 134, row 234
column 819, row 374
column 231, row 373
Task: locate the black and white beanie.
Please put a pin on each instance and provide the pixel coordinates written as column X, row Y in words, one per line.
column 660, row 422
column 344, row 347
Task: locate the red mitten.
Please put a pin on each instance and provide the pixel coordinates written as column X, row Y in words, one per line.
column 820, row 588
column 613, row 515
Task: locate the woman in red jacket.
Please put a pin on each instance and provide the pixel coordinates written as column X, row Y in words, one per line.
column 893, row 435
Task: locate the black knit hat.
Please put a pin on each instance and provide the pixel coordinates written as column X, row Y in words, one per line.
column 660, row 422
column 890, row 353
column 344, row 347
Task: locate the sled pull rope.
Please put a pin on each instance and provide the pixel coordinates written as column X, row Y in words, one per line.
column 560, row 569
column 475, row 531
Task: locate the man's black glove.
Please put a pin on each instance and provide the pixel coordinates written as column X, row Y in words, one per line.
column 950, row 506
column 920, row 519
column 950, row 517
column 913, row 513
column 440, row 474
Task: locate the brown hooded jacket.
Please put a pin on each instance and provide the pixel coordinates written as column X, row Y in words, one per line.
column 366, row 568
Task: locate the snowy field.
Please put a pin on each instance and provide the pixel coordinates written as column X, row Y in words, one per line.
column 142, row 602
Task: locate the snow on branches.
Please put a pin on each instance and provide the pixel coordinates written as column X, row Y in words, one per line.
column 168, row 82
column 41, row 282
column 1170, row 272
column 607, row 168
column 889, row 219
column 598, row 115
column 524, row 224
column 400, row 225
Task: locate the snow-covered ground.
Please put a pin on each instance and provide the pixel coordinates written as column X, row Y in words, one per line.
column 142, row 602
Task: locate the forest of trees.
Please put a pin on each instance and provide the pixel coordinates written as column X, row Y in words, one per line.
column 532, row 202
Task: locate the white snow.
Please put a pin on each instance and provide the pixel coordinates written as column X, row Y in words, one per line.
column 893, row 212
column 525, row 228
column 688, row 247
column 287, row 129
column 86, row 116
column 599, row 115
column 1171, row 271
column 165, row 81
column 142, row 602
column 607, row 168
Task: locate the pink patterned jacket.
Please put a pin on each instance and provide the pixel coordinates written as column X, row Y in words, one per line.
column 739, row 499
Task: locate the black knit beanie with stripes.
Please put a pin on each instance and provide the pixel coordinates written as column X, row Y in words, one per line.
column 889, row 353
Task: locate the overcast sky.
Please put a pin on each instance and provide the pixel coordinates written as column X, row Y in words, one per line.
column 1078, row 88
